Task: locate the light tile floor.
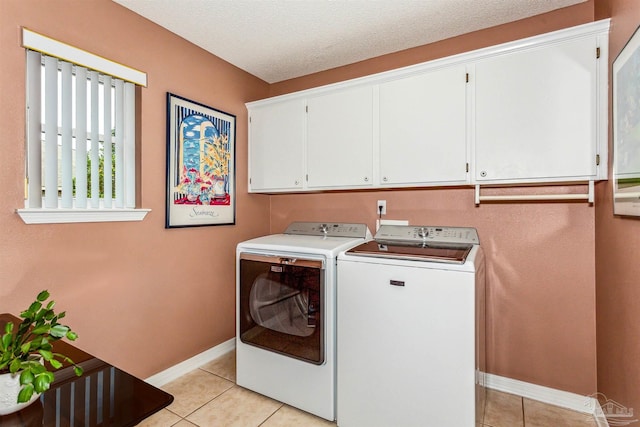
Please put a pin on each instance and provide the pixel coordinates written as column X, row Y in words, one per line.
column 209, row 397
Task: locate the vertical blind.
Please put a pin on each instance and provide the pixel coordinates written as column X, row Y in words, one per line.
column 76, row 117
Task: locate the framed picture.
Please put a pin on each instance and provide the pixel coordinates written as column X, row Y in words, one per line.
column 626, row 129
column 200, row 164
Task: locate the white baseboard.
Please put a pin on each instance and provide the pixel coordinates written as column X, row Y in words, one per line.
column 564, row 399
column 600, row 417
column 176, row 371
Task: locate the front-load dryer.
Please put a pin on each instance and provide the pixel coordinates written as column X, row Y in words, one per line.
column 286, row 299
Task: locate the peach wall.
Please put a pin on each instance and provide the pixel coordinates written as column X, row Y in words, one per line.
column 540, row 256
column 141, row 297
column 618, row 266
column 165, row 286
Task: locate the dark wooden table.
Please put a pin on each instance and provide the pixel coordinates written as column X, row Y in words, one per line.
column 103, row 396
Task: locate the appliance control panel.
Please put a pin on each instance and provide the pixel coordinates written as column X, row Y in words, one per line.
column 410, row 234
column 329, row 229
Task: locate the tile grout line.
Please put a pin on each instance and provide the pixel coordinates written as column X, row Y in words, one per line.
column 184, row 418
column 217, row 375
column 234, row 385
column 209, row 401
column 272, row 414
column 282, row 404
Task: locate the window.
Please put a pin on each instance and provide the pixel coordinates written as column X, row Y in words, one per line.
column 80, row 159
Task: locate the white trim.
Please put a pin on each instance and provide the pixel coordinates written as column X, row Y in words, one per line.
column 34, row 41
column 564, row 399
column 599, row 416
column 57, row 216
column 176, row 371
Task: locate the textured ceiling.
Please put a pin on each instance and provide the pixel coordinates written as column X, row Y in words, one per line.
column 277, row 40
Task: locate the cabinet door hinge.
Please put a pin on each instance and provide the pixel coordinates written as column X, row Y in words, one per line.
column 306, row 108
column 467, row 167
column 597, row 159
column 249, row 180
column 249, row 119
column 306, row 177
column 467, row 77
column 597, row 53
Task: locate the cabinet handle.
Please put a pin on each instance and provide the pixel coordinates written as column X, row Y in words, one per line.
column 366, row 179
column 385, row 179
column 297, row 182
column 396, row 282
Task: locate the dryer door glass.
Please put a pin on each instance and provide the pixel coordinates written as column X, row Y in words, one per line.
column 282, row 305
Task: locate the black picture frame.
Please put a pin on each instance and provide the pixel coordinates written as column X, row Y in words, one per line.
column 200, row 179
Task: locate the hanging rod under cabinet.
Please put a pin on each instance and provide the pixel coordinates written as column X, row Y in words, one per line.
column 589, row 196
column 625, row 196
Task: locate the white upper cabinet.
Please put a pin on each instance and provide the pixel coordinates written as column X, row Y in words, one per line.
column 536, row 113
column 423, row 129
column 340, row 138
column 276, row 149
column 528, row 111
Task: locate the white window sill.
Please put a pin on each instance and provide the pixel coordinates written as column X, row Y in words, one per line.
column 58, row 216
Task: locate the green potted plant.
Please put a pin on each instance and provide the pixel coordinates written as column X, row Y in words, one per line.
column 26, row 356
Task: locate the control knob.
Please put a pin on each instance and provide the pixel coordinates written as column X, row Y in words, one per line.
column 423, row 232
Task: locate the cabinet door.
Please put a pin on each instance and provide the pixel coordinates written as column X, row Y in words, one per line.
column 276, row 146
column 535, row 113
column 339, row 139
column 423, row 128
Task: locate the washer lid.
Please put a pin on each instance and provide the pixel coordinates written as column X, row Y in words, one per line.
column 421, row 243
column 417, row 252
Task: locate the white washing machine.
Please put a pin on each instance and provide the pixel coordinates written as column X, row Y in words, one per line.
column 411, row 320
column 285, row 305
